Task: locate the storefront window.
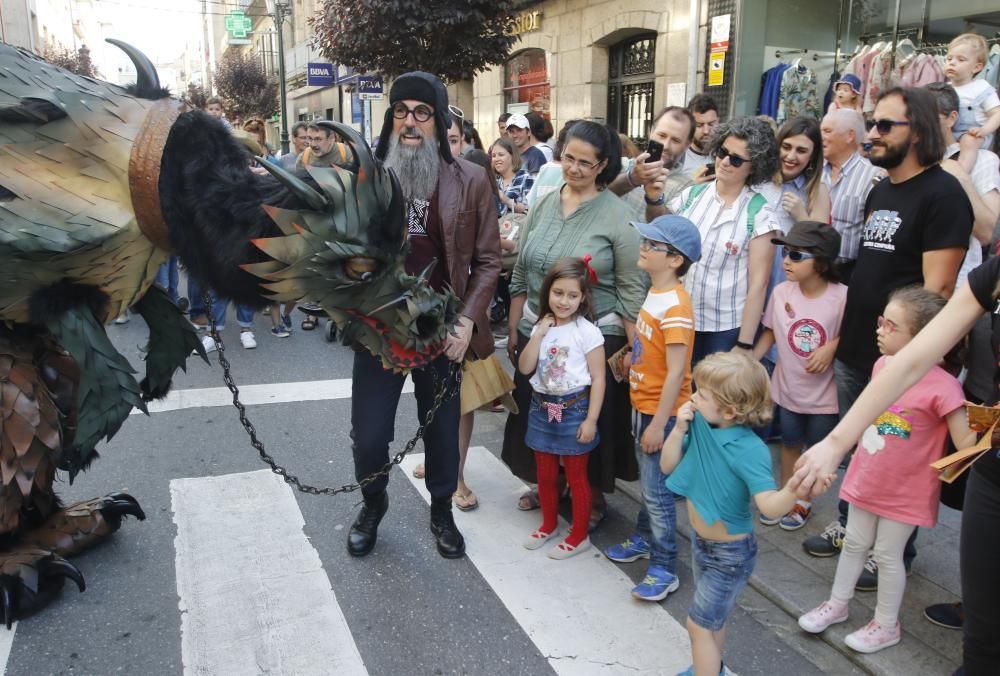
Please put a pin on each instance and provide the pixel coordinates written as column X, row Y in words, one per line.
column 526, row 83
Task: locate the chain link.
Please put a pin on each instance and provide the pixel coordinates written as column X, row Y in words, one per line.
column 444, row 389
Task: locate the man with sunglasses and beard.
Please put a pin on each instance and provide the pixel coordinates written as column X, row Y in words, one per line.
column 916, row 231
column 451, row 220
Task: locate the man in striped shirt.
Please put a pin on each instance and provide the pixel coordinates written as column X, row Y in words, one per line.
column 849, row 176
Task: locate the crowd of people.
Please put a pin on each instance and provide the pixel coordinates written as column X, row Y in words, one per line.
column 669, row 313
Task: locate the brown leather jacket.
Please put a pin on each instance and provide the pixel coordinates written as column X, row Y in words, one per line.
column 468, row 213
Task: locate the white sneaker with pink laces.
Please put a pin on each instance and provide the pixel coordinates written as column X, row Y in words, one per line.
column 873, row 637
column 818, row 619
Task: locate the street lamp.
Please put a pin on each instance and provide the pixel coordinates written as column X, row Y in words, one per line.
column 280, row 9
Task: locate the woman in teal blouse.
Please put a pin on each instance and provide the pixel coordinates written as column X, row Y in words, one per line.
column 582, row 218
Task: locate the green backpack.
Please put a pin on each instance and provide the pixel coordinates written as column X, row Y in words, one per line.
column 757, row 202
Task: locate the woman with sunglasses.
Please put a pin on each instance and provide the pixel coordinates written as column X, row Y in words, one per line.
column 728, row 285
column 581, row 218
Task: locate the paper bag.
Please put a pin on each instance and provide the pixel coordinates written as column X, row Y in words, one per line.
column 483, row 382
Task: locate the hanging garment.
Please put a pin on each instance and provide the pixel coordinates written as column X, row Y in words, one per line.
column 798, row 94
column 771, row 91
column 991, row 73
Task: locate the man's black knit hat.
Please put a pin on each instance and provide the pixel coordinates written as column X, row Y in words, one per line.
column 426, row 88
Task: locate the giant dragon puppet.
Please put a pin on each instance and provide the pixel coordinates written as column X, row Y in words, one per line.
column 98, row 185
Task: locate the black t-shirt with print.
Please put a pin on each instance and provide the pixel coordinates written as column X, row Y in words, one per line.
column 983, row 283
column 904, row 220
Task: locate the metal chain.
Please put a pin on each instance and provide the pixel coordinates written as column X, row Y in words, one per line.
column 444, row 389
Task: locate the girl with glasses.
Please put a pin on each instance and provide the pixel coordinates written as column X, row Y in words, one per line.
column 802, row 321
column 890, row 484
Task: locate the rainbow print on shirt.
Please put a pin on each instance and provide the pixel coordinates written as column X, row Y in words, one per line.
column 896, row 421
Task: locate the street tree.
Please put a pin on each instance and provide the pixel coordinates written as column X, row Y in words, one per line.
column 247, row 89
column 454, row 40
column 75, row 61
column 196, row 96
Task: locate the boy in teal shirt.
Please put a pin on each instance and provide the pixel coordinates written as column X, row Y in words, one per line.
column 717, row 462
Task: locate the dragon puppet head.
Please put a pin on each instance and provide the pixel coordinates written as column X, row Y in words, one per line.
column 346, row 251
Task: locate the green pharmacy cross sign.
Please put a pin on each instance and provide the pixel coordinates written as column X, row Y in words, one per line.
column 238, row 25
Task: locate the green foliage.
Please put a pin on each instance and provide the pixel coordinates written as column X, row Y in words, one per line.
column 454, row 40
column 248, row 91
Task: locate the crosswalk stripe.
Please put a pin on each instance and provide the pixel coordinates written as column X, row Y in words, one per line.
column 578, row 612
column 6, row 643
column 254, row 597
column 274, row 393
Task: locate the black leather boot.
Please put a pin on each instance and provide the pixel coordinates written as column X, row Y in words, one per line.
column 450, row 543
column 364, row 532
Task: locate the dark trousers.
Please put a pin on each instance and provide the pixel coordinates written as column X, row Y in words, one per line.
column 980, row 563
column 374, row 398
column 850, row 383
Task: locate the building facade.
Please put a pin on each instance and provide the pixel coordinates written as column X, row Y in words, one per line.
column 598, row 60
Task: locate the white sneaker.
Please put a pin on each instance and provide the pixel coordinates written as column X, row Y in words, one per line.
column 208, row 343
column 122, row 318
column 249, row 342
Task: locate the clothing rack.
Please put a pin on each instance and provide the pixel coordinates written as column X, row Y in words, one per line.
column 781, row 53
column 869, row 38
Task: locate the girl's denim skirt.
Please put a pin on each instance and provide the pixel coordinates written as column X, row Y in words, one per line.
column 557, row 437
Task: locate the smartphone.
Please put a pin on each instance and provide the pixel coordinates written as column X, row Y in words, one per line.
column 655, row 150
column 709, row 169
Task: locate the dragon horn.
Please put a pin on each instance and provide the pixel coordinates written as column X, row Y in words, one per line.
column 299, row 188
column 356, row 142
column 146, row 79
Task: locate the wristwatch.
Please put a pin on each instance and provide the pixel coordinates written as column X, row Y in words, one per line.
column 744, row 346
column 658, row 202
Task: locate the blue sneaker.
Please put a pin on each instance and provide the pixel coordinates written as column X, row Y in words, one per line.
column 656, row 585
column 725, row 671
column 687, row 672
column 287, row 321
column 633, row 549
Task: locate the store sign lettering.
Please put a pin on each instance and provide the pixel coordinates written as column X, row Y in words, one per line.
column 526, row 22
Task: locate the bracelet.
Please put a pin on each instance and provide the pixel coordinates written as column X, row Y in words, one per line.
column 743, row 346
column 658, row 202
column 628, row 177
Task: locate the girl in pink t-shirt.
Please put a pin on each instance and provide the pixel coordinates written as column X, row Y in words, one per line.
column 802, row 320
column 889, row 484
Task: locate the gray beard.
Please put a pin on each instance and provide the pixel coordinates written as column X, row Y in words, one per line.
column 416, row 167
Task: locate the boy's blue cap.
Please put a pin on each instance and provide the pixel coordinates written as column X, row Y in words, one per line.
column 676, row 231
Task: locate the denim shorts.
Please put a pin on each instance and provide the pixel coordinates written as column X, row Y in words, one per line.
column 805, row 429
column 721, row 570
column 558, row 437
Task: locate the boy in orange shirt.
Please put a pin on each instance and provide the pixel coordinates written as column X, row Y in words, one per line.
column 659, row 383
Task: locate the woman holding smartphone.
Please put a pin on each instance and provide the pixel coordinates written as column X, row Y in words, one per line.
column 729, row 284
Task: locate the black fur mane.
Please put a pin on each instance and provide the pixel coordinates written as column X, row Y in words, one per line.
column 212, row 205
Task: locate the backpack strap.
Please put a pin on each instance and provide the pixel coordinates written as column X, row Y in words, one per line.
column 695, row 191
column 757, row 202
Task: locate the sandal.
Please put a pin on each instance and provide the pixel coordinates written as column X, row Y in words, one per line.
column 596, row 517
column 309, row 323
column 419, row 472
column 539, row 538
column 466, row 502
column 529, row 500
column 565, row 551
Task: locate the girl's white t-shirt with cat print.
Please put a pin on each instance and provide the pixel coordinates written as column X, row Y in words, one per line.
column 562, row 357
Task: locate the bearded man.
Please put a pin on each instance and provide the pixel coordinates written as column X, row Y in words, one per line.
column 917, row 227
column 451, row 219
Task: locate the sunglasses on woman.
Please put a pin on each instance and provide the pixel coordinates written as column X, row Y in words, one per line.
column 796, row 256
column 734, row 159
column 884, row 126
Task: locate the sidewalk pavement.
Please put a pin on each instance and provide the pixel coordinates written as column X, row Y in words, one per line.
column 796, row 582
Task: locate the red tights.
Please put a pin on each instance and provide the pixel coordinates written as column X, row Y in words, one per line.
column 548, row 493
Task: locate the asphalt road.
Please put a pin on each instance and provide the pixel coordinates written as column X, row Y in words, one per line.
column 408, row 610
